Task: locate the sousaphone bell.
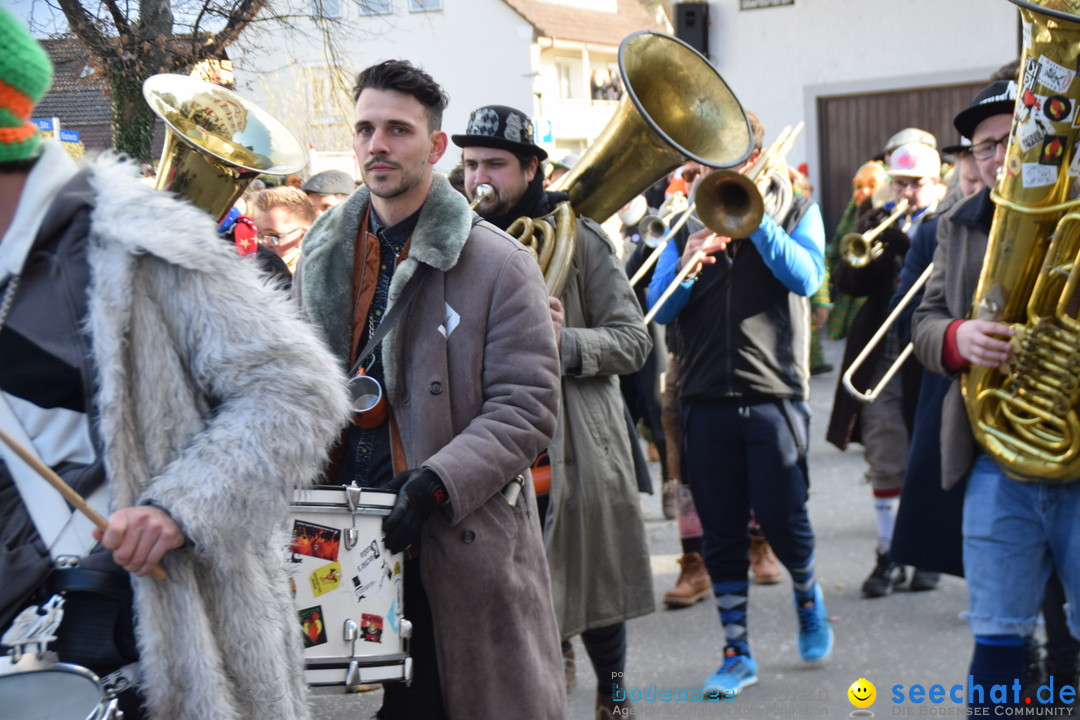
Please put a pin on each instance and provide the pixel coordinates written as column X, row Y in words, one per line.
column 216, row 142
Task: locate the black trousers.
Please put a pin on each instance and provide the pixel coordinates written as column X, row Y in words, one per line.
column 422, row 699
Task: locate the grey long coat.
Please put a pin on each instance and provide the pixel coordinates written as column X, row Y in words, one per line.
column 950, row 291
column 597, row 551
column 215, row 398
column 472, row 379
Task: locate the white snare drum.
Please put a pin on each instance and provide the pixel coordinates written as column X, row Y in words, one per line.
column 347, row 588
column 54, row 691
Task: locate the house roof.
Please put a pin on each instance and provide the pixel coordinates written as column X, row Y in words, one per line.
column 562, row 22
column 77, row 95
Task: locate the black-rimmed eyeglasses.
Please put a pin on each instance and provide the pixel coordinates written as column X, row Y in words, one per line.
column 988, row 148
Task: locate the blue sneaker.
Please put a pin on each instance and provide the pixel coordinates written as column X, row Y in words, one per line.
column 737, row 672
column 815, row 633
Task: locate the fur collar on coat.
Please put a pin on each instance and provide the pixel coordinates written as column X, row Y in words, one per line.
column 215, row 398
column 440, row 234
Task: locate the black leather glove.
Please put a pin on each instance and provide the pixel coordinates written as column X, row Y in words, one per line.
column 419, row 491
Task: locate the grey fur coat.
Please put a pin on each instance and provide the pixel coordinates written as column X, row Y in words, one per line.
column 215, row 398
column 472, row 379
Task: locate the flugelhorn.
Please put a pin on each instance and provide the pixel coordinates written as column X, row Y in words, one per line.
column 860, row 249
column 216, row 142
column 728, row 203
column 848, row 377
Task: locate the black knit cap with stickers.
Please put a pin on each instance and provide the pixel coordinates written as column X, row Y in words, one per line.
column 500, row 127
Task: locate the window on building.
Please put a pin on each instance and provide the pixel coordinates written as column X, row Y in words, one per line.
column 374, row 7
column 424, row 5
column 565, row 85
column 325, row 8
column 321, row 89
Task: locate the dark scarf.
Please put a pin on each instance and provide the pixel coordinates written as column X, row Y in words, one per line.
column 534, row 203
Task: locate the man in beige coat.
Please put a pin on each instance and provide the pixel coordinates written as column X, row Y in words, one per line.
column 471, row 377
column 594, row 533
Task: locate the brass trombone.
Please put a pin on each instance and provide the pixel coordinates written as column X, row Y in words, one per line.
column 728, row 203
column 870, row 395
column 860, row 249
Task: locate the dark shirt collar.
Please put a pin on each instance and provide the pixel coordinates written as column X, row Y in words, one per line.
column 394, row 235
column 977, row 212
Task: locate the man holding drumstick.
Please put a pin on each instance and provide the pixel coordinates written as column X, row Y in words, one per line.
column 156, row 373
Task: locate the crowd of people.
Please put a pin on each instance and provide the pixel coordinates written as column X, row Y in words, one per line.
column 186, row 383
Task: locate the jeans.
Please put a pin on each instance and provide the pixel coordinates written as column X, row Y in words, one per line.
column 1014, row 533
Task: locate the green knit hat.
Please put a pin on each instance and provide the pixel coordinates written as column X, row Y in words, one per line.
column 25, row 75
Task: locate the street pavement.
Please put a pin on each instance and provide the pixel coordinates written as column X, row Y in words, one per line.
column 905, row 639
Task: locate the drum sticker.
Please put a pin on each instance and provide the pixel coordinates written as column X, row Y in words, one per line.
column 313, row 540
column 1054, row 76
column 371, row 627
column 1053, row 151
column 325, row 579
column 311, row 620
column 392, row 618
column 1035, row 175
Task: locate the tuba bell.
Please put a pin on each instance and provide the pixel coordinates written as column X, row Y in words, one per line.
column 675, row 108
column 1024, row 413
column 216, row 142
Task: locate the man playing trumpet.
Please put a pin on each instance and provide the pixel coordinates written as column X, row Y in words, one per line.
column 744, row 323
column 883, row 426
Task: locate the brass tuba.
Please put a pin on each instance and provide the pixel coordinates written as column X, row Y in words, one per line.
column 216, row 142
column 675, row 108
column 1024, row 414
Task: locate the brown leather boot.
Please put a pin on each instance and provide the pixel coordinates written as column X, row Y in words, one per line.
column 693, row 584
column 764, row 568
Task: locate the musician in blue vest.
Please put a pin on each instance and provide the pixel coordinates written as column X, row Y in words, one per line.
column 744, row 320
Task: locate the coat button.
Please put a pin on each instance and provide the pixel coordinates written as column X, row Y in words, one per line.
column 436, row 388
column 468, row 536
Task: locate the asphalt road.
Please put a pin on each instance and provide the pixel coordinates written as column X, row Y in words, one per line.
column 905, row 639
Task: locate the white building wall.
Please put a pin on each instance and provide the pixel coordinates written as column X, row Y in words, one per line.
column 780, row 60
column 477, row 63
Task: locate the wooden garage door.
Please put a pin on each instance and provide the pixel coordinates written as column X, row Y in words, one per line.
column 855, row 128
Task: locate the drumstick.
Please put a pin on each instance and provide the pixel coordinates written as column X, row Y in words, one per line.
column 66, row 490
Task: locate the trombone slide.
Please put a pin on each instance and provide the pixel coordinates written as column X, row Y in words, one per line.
column 670, row 289
column 870, row 395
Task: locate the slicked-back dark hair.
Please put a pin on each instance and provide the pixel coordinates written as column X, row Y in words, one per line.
column 404, row 77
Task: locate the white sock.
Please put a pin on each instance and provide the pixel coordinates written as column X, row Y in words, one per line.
column 885, row 508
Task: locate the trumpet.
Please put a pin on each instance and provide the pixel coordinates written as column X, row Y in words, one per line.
column 860, row 249
column 730, row 205
column 484, row 192
column 654, row 227
column 848, row 377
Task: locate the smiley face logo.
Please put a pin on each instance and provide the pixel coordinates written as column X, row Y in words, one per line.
column 862, row 693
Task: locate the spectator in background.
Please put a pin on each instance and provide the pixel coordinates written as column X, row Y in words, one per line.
column 328, row 188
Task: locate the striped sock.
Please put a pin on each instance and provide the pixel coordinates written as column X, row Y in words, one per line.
column 803, row 579
column 731, row 596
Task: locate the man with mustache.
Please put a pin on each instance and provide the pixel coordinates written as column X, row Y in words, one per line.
column 471, row 378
